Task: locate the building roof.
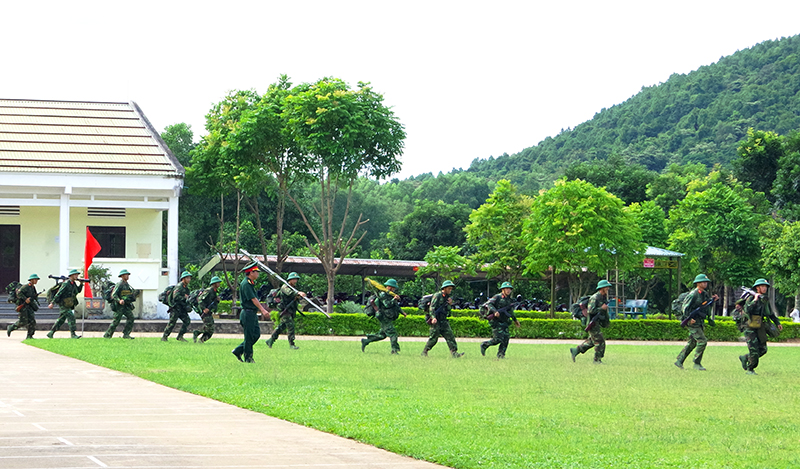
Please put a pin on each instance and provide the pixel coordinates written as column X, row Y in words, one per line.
column 659, row 252
column 81, row 137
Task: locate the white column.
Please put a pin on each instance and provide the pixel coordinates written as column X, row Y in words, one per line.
column 63, row 233
column 172, row 240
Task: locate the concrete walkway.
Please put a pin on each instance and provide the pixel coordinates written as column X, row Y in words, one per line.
column 57, row 412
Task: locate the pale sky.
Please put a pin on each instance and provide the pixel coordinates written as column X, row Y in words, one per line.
column 467, row 79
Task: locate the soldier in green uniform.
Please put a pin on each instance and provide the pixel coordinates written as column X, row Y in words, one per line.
column 27, row 305
column 66, row 298
column 207, row 305
column 123, row 297
column 500, row 313
column 288, row 305
column 598, row 305
column 697, row 335
column 248, row 318
column 387, row 313
column 437, row 318
column 756, row 311
column 179, row 308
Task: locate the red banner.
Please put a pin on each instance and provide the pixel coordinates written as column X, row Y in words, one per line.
column 91, row 250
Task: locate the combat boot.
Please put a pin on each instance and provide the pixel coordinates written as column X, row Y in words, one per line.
column 194, row 336
column 455, row 354
column 127, row 337
column 9, row 329
column 743, row 359
column 74, row 336
column 363, row 344
column 679, row 364
column 164, row 338
column 750, row 372
column 598, row 361
column 269, row 342
column 699, row 367
column 424, row 352
column 501, row 356
column 483, row 348
column 395, row 352
column 50, row 335
column 181, row 339
column 237, row 355
column 574, row 352
column 294, row 347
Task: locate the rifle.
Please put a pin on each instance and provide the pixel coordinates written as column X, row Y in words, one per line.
column 593, row 322
column 505, row 311
column 695, row 314
column 272, row 272
column 437, row 314
column 64, row 279
column 34, row 298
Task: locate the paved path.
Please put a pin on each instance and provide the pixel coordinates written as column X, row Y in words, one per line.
column 57, row 412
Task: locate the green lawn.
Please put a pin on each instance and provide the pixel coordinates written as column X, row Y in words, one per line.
column 535, row 409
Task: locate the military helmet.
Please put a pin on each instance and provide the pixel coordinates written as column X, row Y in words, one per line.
column 761, row 281
column 33, row 277
column 603, row 284
column 391, row 283
column 292, row 275
column 701, row 278
column 448, row 283
column 123, row 272
column 506, row 285
column 185, row 274
column 214, row 280
column 74, row 272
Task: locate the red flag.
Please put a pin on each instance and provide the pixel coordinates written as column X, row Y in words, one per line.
column 91, row 250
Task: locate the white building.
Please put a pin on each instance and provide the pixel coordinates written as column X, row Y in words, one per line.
column 67, row 165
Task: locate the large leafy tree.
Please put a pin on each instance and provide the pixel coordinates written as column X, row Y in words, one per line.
column 626, row 180
column 495, row 230
column 786, row 189
column 429, row 224
column 758, row 159
column 781, row 256
column 341, row 133
column 575, row 227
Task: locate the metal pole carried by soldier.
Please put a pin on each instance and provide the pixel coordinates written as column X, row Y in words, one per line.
column 289, row 302
column 598, row 318
column 248, row 317
column 66, row 298
column 122, row 299
column 500, row 312
column 388, row 310
column 27, row 305
column 207, row 303
column 697, row 307
column 179, row 308
column 437, row 318
column 756, row 312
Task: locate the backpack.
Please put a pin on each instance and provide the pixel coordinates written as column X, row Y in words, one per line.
column 12, row 289
column 578, row 309
column 194, row 298
column 165, row 296
column 371, row 308
column 108, row 290
column 51, row 292
column 424, row 303
column 274, row 298
column 677, row 303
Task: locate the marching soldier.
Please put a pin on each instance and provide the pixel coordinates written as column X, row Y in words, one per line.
column 598, row 305
column 27, row 305
column 248, row 318
column 207, row 306
column 388, row 311
column 122, row 297
column 179, row 308
column 500, row 314
column 697, row 336
column 437, row 317
column 756, row 311
column 66, row 298
column 288, row 304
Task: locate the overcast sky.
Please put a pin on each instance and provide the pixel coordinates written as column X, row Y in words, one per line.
column 467, row 79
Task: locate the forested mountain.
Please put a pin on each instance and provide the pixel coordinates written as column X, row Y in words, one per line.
column 695, row 118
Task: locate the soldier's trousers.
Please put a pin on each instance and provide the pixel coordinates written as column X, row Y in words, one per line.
column 595, row 340
column 208, row 327
column 697, row 342
column 387, row 330
column 248, row 318
column 66, row 315
column 118, row 315
column 286, row 325
column 441, row 328
column 756, row 346
column 500, row 336
column 174, row 315
column 27, row 320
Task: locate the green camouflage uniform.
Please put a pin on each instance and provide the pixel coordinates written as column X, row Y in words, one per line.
column 179, row 309
column 207, row 300
column 442, row 326
column 27, row 316
column 248, row 318
column 596, row 338
column 122, row 291
column 500, row 334
column 66, row 299
column 756, row 337
column 289, row 305
column 387, row 314
column 697, row 335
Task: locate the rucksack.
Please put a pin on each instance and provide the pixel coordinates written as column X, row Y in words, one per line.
column 677, row 303
column 51, row 292
column 108, row 290
column 578, row 309
column 424, row 303
column 371, row 308
column 274, row 298
column 194, row 298
column 483, row 311
column 12, row 289
column 165, row 296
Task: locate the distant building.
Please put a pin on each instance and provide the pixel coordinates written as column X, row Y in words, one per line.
column 68, row 165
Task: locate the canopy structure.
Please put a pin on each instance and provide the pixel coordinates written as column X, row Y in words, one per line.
column 654, row 258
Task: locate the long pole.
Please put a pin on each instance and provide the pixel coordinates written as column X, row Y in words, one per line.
column 272, row 272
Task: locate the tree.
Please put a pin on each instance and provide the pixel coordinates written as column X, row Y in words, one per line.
column 575, row 227
column 786, row 189
column 447, row 263
column 669, row 188
column 758, row 160
column 495, row 230
column 429, row 224
column 781, row 256
column 179, row 138
column 341, row 133
column 626, row 180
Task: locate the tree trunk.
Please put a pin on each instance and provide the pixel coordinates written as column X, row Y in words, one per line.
column 726, row 294
column 797, row 300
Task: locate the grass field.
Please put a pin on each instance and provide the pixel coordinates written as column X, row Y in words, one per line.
column 535, row 409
